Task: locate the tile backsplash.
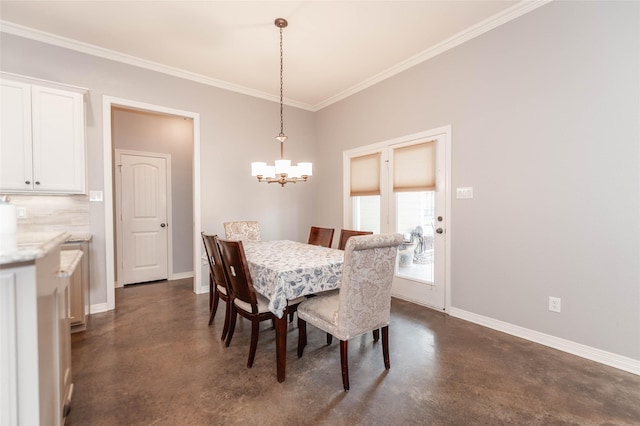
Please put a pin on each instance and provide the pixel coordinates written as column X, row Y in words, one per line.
column 68, row 213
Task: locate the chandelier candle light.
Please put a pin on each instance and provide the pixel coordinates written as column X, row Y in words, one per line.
column 283, row 172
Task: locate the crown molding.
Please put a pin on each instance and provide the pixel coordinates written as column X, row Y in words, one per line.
column 476, row 30
column 90, row 49
column 494, row 21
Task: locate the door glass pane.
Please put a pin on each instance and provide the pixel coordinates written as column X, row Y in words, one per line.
column 415, row 221
column 366, row 213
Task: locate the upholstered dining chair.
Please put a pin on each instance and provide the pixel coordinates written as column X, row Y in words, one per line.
column 321, row 236
column 242, row 230
column 363, row 302
column 244, row 299
column 345, row 234
column 218, row 288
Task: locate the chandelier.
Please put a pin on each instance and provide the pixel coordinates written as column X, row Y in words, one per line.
column 282, row 172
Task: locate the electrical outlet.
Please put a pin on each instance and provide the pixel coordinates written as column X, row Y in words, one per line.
column 554, row 304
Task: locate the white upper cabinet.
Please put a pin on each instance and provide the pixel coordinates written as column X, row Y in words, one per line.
column 42, row 149
column 15, row 145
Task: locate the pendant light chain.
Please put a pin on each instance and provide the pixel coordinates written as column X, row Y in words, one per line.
column 281, row 85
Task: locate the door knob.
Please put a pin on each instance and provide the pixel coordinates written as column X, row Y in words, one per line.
column 439, row 230
column 163, row 225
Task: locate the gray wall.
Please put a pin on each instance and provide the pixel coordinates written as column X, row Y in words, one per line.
column 235, row 130
column 156, row 133
column 545, row 114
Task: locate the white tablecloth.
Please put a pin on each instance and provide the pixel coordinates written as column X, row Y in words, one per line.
column 283, row 270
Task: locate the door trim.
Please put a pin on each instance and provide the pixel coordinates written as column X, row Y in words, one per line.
column 107, row 103
column 445, row 133
column 119, row 239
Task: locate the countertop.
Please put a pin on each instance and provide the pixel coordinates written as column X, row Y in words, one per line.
column 69, row 259
column 78, row 238
column 33, row 245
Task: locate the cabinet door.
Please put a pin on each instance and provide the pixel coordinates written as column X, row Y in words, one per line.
column 15, row 139
column 58, row 140
column 64, row 356
column 79, row 287
column 76, row 296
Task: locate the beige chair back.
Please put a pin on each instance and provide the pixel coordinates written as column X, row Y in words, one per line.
column 365, row 291
column 242, row 230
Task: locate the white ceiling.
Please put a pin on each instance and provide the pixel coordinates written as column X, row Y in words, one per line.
column 331, row 48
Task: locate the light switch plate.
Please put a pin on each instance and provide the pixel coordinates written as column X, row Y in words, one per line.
column 95, row 196
column 21, row 212
column 464, row 193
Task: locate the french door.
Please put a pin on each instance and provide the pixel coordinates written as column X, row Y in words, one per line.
column 419, row 212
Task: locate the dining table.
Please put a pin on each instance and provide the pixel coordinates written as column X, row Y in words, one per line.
column 284, row 270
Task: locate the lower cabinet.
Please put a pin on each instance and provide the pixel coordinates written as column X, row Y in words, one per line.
column 35, row 342
column 79, row 287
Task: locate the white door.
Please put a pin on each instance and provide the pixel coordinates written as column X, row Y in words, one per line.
column 144, row 226
column 419, row 214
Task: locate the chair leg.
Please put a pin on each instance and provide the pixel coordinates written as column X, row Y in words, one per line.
column 385, row 346
column 255, row 331
column 376, row 334
column 214, row 306
column 344, row 362
column 210, row 292
column 232, row 325
column 227, row 315
column 302, row 336
column 329, row 339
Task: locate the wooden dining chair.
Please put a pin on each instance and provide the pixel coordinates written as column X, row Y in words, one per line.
column 244, row 299
column 321, row 236
column 218, row 287
column 345, row 234
column 363, row 302
column 242, row 230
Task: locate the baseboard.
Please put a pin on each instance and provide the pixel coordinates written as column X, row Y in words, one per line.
column 181, row 275
column 416, row 302
column 98, row 307
column 202, row 289
column 613, row 360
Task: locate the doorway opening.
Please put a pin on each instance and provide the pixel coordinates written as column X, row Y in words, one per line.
column 109, row 103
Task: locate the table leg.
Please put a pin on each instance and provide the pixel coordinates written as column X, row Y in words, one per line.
column 281, row 346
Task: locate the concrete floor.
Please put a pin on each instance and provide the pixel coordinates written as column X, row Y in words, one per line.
column 154, row 361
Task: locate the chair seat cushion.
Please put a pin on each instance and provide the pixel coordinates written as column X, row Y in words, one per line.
column 263, row 304
column 222, row 289
column 296, row 301
column 322, row 312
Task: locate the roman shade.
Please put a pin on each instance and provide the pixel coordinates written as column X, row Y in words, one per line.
column 414, row 167
column 365, row 175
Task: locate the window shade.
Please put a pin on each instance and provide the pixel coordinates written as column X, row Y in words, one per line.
column 365, row 175
column 414, row 167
